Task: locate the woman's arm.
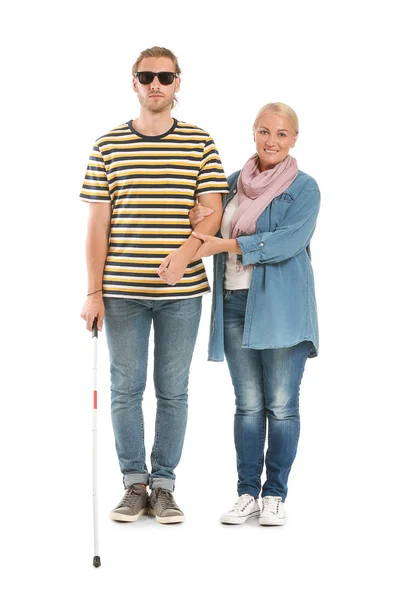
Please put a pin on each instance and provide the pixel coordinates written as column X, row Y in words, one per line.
column 291, row 237
column 214, row 245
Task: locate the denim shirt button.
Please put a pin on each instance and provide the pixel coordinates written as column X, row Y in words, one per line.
column 261, row 243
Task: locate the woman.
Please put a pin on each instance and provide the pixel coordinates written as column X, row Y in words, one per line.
column 264, row 316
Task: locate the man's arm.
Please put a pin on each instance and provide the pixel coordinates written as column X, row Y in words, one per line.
column 96, row 253
column 209, row 226
column 174, row 265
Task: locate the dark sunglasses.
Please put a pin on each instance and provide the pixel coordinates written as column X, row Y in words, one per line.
column 164, row 77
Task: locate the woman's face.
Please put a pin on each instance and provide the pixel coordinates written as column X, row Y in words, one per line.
column 273, row 137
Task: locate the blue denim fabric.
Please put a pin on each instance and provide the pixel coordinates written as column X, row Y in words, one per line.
column 266, row 384
column 127, row 324
column 281, row 309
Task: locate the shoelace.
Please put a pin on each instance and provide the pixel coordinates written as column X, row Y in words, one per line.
column 272, row 503
column 130, row 498
column 242, row 503
column 165, row 498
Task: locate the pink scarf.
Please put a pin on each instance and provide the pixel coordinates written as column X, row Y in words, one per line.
column 256, row 190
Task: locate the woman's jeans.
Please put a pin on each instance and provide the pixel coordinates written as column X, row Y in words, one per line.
column 127, row 324
column 266, row 384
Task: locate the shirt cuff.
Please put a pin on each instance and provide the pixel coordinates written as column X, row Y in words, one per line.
column 252, row 248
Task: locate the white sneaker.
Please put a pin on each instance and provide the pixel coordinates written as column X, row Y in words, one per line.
column 273, row 511
column 245, row 507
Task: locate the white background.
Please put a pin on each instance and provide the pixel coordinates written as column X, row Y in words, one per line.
column 66, row 81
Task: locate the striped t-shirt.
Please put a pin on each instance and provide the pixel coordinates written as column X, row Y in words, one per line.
column 152, row 183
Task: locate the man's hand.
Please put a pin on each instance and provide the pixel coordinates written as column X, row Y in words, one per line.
column 198, row 213
column 173, row 266
column 93, row 307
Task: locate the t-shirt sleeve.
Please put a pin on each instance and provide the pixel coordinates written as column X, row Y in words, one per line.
column 95, row 186
column 211, row 178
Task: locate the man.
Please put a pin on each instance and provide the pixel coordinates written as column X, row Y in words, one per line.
column 142, row 179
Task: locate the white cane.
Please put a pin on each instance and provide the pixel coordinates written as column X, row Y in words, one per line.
column 96, row 558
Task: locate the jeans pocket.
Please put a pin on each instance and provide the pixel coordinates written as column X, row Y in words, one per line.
column 225, row 294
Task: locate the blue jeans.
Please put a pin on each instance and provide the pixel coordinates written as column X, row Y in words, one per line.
column 127, row 324
column 266, row 384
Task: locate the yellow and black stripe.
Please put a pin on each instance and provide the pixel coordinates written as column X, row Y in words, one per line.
column 152, row 183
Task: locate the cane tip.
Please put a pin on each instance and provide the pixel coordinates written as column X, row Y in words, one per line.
column 96, row 561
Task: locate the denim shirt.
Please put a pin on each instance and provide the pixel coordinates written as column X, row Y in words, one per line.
column 281, row 309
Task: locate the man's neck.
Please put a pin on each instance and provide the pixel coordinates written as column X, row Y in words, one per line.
column 153, row 124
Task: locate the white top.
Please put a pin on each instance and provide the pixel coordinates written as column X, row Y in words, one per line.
column 234, row 278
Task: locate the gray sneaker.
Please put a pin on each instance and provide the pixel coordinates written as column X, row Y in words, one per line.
column 133, row 504
column 163, row 506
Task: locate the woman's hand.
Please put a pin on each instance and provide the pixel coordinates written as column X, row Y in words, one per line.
column 198, row 213
column 211, row 245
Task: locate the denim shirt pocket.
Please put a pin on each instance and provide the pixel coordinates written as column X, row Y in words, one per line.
column 278, row 208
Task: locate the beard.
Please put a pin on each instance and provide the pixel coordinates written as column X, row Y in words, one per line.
column 155, row 107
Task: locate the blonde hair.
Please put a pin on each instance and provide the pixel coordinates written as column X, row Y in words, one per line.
column 156, row 52
column 279, row 108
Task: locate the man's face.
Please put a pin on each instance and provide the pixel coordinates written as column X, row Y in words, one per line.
column 154, row 96
column 274, row 138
